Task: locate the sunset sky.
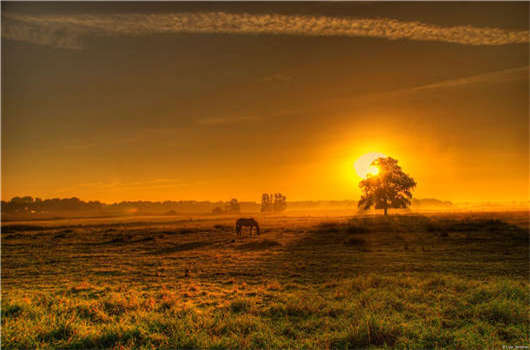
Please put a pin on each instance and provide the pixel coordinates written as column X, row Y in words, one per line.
column 176, row 101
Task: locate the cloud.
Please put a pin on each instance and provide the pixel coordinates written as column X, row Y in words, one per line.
column 506, row 75
column 51, row 34
column 67, row 31
column 495, row 77
column 502, row 76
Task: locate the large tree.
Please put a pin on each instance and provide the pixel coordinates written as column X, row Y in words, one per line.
column 389, row 188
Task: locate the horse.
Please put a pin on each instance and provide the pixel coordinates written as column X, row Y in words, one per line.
column 250, row 222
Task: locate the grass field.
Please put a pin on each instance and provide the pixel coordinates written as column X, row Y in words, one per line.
column 407, row 281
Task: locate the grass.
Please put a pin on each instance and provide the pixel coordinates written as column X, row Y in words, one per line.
column 417, row 282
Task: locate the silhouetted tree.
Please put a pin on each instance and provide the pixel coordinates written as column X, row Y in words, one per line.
column 273, row 202
column 266, row 203
column 232, row 207
column 280, row 202
column 390, row 188
column 217, row 211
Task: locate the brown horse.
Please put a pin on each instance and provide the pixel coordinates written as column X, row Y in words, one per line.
column 250, row 222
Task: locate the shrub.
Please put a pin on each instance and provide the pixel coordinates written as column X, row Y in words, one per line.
column 11, row 310
column 240, row 305
column 502, row 311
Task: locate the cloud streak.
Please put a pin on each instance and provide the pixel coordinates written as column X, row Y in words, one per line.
column 502, row 76
column 495, row 77
column 68, row 31
column 507, row 75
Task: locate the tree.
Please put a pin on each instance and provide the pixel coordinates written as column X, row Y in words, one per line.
column 280, row 202
column 273, row 202
column 266, row 203
column 217, row 211
column 232, row 207
column 390, row 188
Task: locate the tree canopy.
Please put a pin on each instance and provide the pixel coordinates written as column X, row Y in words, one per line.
column 390, row 188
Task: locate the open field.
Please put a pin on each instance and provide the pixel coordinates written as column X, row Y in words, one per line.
column 408, row 281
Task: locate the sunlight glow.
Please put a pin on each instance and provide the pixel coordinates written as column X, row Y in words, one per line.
column 363, row 165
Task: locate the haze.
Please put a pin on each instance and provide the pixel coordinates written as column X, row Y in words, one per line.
column 175, row 101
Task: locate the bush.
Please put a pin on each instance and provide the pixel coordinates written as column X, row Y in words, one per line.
column 240, row 305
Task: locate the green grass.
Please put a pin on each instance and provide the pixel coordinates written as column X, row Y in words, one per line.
column 354, row 283
column 437, row 311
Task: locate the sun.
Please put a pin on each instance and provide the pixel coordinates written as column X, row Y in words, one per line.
column 363, row 165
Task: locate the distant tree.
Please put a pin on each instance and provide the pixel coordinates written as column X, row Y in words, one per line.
column 232, row 207
column 273, row 202
column 280, row 202
column 27, row 199
column 390, row 188
column 217, row 211
column 266, row 203
column 22, row 200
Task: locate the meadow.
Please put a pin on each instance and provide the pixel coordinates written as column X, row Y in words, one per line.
column 430, row 281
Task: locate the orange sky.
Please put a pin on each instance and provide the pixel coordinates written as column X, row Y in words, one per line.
column 112, row 113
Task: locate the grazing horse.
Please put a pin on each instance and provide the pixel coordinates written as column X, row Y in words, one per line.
column 250, row 222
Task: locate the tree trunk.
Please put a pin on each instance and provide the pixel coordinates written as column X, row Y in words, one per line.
column 386, row 211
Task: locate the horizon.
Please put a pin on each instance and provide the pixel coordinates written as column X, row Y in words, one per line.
column 149, row 101
column 257, row 201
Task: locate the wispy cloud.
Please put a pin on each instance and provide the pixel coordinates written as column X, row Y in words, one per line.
column 496, row 77
column 488, row 78
column 58, row 35
column 506, row 75
column 67, row 31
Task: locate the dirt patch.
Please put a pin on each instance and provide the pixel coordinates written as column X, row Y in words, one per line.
column 118, row 240
column 223, row 227
column 258, row 245
column 355, row 242
column 14, row 236
column 182, row 247
column 15, row 228
column 182, row 231
column 145, row 239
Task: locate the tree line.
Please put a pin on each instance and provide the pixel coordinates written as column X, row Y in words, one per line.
column 27, row 206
